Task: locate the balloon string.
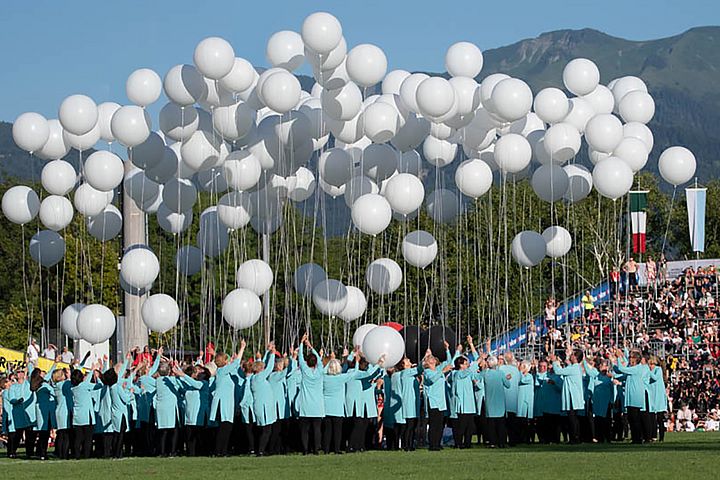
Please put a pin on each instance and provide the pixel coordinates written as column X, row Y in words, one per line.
column 667, row 225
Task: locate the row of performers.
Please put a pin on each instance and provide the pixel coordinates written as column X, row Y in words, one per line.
column 260, row 406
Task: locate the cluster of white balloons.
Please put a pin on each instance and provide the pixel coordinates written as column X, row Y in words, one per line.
column 379, row 342
column 93, row 323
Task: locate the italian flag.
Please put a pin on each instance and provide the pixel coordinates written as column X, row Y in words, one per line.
column 638, row 219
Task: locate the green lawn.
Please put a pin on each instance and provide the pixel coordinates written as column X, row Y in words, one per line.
column 689, row 455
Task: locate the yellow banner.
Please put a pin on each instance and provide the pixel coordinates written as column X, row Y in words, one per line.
column 14, row 360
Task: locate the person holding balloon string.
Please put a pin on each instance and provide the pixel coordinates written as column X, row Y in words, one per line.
column 263, row 400
column 360, row 403
column 435, row 394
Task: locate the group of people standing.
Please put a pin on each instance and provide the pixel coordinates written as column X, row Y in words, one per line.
column 309, row 402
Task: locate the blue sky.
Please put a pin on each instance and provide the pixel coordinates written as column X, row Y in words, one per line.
column 52, row 49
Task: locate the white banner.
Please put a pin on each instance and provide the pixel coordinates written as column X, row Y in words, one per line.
column 695, row 198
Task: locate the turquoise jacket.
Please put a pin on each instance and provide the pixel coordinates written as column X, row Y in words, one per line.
column 526, row 396
column 63, row 404
column 83, row 412
column 197, row 401
column 263, row 398
column 603, row 395
column 121, row 397
column 658, row 396
column 167, row 393
column 392, row 405
column 360, row 398
column 511, row 393
column 410, row 391
column 435, row 386
column 45, row 404
column 23, row 412
column 310, row 399
column 495, row 386
column 573, row 397
column 145, row 395
column 636, row 383
column 334, row 391
column 7, row 425
column 541, row 393
column 246, row 401
column 553, row 403
column 294, row 377
column 223, row 392
column 462, row 395
column 278, row 382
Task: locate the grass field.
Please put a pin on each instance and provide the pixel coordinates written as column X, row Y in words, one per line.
column 686, row 455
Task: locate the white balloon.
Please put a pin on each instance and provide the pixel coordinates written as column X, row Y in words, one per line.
column 371, row 213
column 212, row 237
column 625, row 85
column 601, row 99
column 184, row 85
column 55, row 147
column 435, row 97
column 381, row 122
column 235, row 209
column 177, row 122
column 579, row 182
column 463, row 59
column 149, row 153
column 561, row 142
column 307, row 277
column 242, row 76
column 512, row 153
column 140, row 188
column 173, row 222
column 410, row 162
column 358, row 186
column 486, row 88
column 474, row 178
column 366, row 64
column 581, row 76
column 332, row 79
column 551, row 105
column 558, row 241
column 234, row 121
column 408, row 90
column 321, row 32
column 301, row 186
column 143, row 87
column 641, row 131
column 604, row 132
column 405, row 193
column 179, row 195
column 104, row 170
column 379, row 161
column 139, row 266
column 82, row 142
column 511, row 99
column 165, row 169
column 439, row 153
column 419, row 248
column 383, row 343
column 214, row 57
column 281, row 91
column 443, row 206
column 393, row 81
column 330, row 297
column 68, row 320
column 361, row 333
column 20, row 204
column 285, row 49
column 212, row 180
column 131, row 125
column 188, row 260
column 58, row 177
column 355, row 306
column 241, row 308
column 78, row 114
column 612, row 178
column 528, row 248
column 384, row 276
column 106, row 225
column 255, row 275
column 637, row 106
column 632, row 151
column 47, row 248
column 160, row 312
column 677, row 165
column 56, row 212
column 412, row 134
column 342, row 104
column 89, row 201
column 581, row 111
column 30, row 131
column 96, row 323
column 550, row 182
column 106, row 110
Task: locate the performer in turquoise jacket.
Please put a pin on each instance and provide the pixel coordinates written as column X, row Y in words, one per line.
column 45, row 411
column 334, row 382
column 603, row 397
column 573, row 397
column 167, row 413
column 409, row 403
column 393, row 421
column 263, row 399
column 222, row 408
column 310, row 400
column 83, row 411
column 360, row 402
column 526, row 401
column 145, row 405
column 7, row 425
column 495, row 384
column 196, row 388
column 278, row 382
column 63, row 407
column 435, row 396
column 508, row 366
column 658, row 399
column 462, row 400
column 636, row 396
column 23, row 411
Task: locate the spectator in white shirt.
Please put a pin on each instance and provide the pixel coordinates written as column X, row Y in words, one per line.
column 33, row 352
column 67, row 356
column 50, row 352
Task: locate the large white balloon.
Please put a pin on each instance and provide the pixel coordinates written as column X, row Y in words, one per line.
column 47, row 248
column 366, row 64
column 640, row 131
column 30, row 131
column 56, row 212
column 371, row 213
column 383, row 343
column 419, row 248
column 149, row 153
column 131, row 125
column 439, row 153
column 361, row 333
column 622, row 86
column 356, row 304
column 580, row 182
column 632, row 151
column 143, row 87
column 241, row 78
column 511, row 99
column 434, row 97
column 637, row 106
column 96, row 323
column 405, row 193
column 104, row 170
column 384, row 276
column 106, row 110
column 285, row 49
column 281, row 91
column 214, row 57
column 160, row 312
column 82, row 142
column 140, row 188
column 321, row 32
column 234, row 121
column 241, row 308
column 330, row 297
column 301, row 185
column 139, row 267
column 184, row 85
column 178, row 122
column 106, row 225
column 255, row 275
column 242, row 170
column 443, row 205
column 55, row 147
column 677, row 165
column 90, row 201
column 78, row 114
column 179, row 195
column 173, row 222
column 581, row 76
column 604, row 132
column 463, row 59
column 558, row 241
column 512, row 153
column 612, row 178
column 68, row 320
column 188, row 260
column 550, row 182
column 382, row 122
column 343, row 103
column 561, row 142
column 581, row 111
column 393, row 81
column 528, row 248
column 551, row 105
column 307, row 277
column 20, row 204
column 235, row 209
column 58, row 177
column 474, row 178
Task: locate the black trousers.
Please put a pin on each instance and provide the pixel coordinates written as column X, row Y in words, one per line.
column 553, row 427
column 660, row 424
column 408, row 437
column 108, row 441
column 62, row 444
column 357, row 434
column 332, row 434
column 523, row 429
column 168, row 441
column 462, row 430
column 573, row 426
column 14, row 442
column 192, row 438
column 276, row 444
column 496, row 431
column 603, row 427
column 481, row 425
column 306, row 425
column 263, row 439
column 30, row 441
column 636, row 424
column 436, row 419
column 513, row 428
column 82, row 444
column 118, row 440
column 222, row 438
column 41, row 447
column 249, row 436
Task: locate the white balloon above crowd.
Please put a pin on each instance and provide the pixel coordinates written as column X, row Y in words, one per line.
column 247, row 136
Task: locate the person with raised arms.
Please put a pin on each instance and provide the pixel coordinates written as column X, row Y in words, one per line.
column 435, row 395
column 463, row 407
column 573, row 398
column 360, row 403
column 333, row 388
column 310, row 400
column 222, row 408
column 83, row 411
column 263, row 399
